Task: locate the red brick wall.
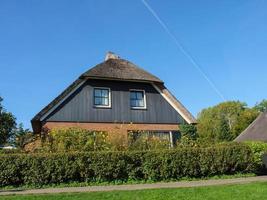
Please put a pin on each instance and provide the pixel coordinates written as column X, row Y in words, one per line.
column 113, row 127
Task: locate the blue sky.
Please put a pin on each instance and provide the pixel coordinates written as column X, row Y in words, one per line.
column 45, row 45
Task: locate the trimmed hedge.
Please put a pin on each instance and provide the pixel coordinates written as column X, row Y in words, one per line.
column 258, row 149
column 41, row 169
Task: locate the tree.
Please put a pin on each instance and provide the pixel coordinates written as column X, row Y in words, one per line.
column 22, row 136
column 262, row 106
column 225, row 121
column 7, row 124
column 189, row 131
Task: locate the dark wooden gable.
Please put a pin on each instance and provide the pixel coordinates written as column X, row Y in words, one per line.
column 79, row 106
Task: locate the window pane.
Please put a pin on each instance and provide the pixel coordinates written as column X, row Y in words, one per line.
column 133, row 95
column 140, row 103
column 98, row 101
column 104, row 93
column 97, row 92
column 105, row 101
column 133, row 103
column 139, row 95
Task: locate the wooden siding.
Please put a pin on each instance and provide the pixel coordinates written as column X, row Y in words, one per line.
column 79, row 106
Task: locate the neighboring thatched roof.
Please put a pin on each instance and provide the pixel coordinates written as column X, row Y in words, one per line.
column 256, row 131
column 116, row 68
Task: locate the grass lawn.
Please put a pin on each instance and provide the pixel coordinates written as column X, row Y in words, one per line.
column 84, row 184
column 253, row 191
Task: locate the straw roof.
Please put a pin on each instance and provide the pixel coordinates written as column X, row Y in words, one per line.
column 256, row 131
column 116, row 68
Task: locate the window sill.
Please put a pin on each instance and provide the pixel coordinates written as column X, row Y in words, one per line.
column 102, row 107
column 138, row 108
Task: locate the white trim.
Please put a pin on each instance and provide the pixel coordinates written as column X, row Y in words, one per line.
column 171, row 139
column 138, row 108
column 172, row 104
column 62, row 100
column 109, row 97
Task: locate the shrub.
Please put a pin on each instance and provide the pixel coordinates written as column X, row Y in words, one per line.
column 74, row 139
column 189, row 131
column 77, row 139
column 258, row 149
column 117, row 141
column 10, row 151
column 49, row 168
column 144, row 141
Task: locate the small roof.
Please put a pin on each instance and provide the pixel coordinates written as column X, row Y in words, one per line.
column 256, row 131
column 116, row 68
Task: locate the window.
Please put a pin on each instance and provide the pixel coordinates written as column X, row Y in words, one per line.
column 102, row 97
column 162, row 135
column 171, row 137
column 137, row 99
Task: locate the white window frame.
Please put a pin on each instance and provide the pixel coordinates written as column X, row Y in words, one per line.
column 138, row 108
column 109, row 97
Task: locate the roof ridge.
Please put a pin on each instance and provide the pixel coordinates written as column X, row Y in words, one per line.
column 119, row 68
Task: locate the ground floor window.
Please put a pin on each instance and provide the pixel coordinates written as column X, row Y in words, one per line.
column 164, row 137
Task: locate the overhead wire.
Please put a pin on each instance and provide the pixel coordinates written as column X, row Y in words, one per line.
column 181, row 48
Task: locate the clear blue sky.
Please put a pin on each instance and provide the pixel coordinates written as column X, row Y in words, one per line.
column 45, row 45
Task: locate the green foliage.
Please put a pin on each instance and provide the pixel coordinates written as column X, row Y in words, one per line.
column 22, row 136
column 262, row 106
column 258, row 149
column 143, row 140
column 225, row 121
column 149, row 143
column 77, row 139
column 74, row 139
column 7, row 124
column 189, row 130
column 49, row 168
column 10, row 151
column 188, row 135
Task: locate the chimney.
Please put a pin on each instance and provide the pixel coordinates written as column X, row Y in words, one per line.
column 111, row 55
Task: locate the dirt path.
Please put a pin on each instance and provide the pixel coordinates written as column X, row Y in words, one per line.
column 180, row 184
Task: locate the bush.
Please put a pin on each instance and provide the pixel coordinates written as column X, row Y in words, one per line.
column 77, row 139
column 258, row 149
column 143, row 140
column 74, row 139
column 45, row 168
column 10, row 151
column 189, row 131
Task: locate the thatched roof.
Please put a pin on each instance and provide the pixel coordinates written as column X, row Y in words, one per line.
column 116, row 68
column 256, row 131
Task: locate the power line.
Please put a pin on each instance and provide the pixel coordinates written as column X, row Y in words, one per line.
column 183, row 50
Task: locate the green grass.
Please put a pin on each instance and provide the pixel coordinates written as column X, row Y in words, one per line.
column 252, row 191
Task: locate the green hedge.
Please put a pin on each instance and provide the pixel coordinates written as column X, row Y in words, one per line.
column 41, row 169
column 258, row 149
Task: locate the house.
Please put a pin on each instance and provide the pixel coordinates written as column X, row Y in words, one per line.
column 115, row 95
column 256, row 131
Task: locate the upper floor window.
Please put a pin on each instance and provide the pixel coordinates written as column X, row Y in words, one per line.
column 137, row 99
column 102, row 97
